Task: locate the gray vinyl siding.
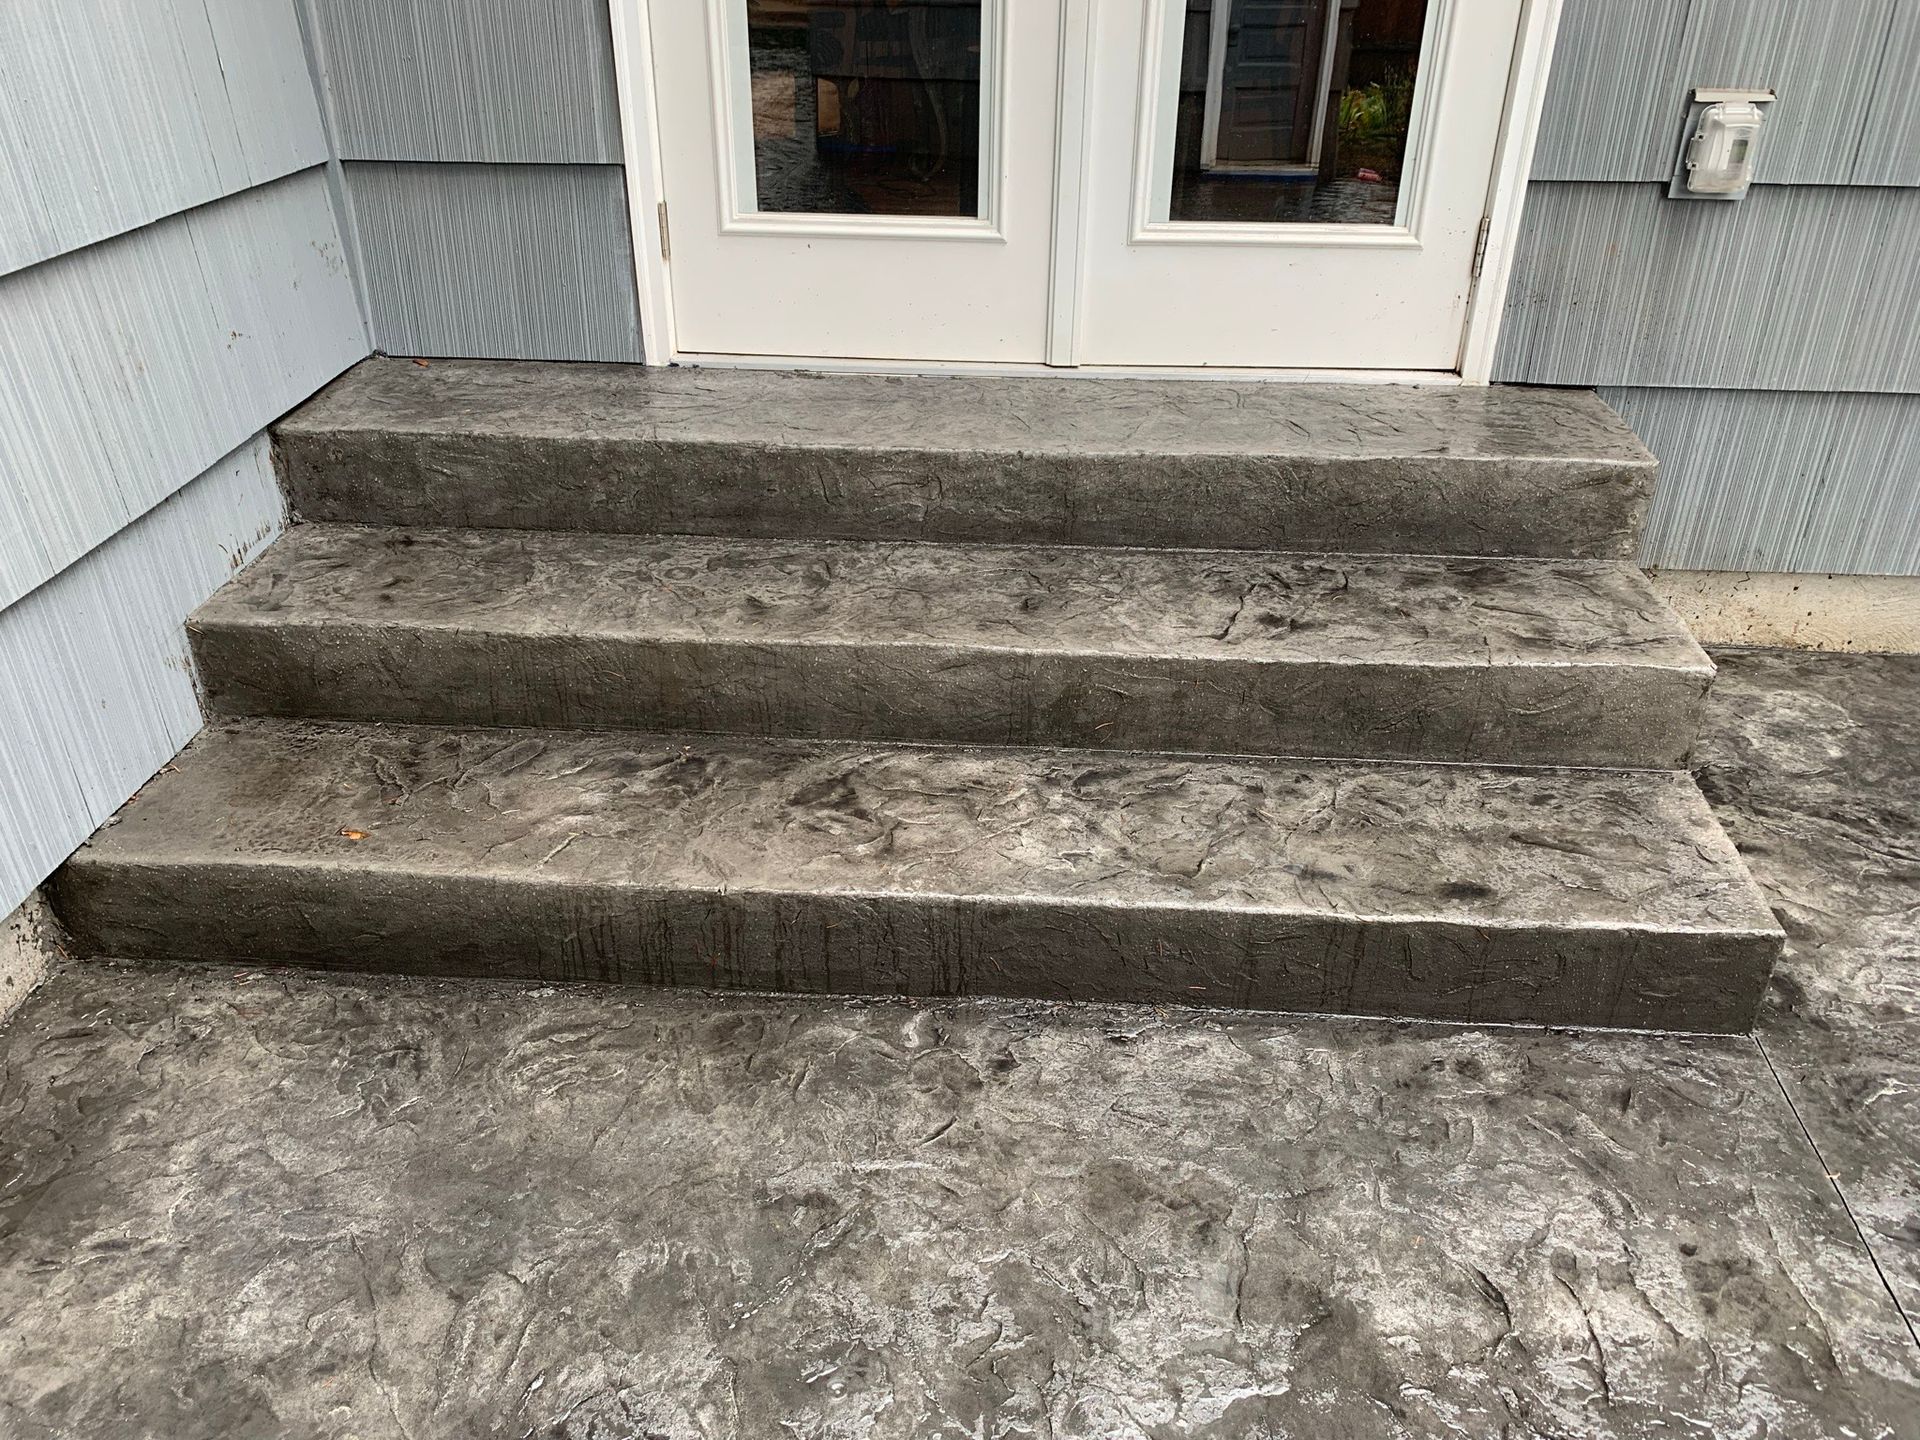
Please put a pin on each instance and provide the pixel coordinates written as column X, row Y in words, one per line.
column 115, row 114
column 1759, row 480
column 140, row 361
column 96, row 686
column 526, row 82
column 1890, row 147
column 482, row 165
column 1809, row 287
column 1763, row 349
column 172, row 279
column 1623, row 70
column 527, row 262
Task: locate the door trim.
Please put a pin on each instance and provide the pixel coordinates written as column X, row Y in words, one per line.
column 646, row 191
column 640, row 131
column 1526, row 99
column 1070, row 159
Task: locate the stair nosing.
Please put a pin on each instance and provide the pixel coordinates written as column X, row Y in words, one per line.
column 271, row 622
column 308, row 430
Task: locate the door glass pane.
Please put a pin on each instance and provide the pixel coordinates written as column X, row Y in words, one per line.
column 865, row 107
column 1294, row 111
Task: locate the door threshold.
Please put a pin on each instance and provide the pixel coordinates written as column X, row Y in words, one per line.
column 1084, row 372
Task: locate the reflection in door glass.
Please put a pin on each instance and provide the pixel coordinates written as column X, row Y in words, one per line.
column 866, row 107
column 1295, row 111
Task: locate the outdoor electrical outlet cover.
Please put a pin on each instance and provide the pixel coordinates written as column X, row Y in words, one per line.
column 1719, row 144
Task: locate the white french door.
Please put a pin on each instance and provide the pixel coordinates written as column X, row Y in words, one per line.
column 1139, row 184
column 801, row 223
column 1345, row 272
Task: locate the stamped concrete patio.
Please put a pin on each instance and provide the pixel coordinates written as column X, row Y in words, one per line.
column 237, row 1204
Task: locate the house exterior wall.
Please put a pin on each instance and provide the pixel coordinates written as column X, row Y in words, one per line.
column 481, row 151
column 1757, row 346
column 172, row 279
column 1762, row 349
column 195, row 188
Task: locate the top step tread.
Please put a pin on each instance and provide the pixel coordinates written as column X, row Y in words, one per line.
column 971, row 414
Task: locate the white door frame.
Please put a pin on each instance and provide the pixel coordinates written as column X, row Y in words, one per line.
column 1526, row 93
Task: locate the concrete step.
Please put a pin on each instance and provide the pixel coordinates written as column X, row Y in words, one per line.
column 1445, row 892
column 1483, row 660
column 1378, row 468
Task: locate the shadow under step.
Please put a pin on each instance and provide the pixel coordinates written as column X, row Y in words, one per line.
column 1483, row 661
column 1460, row 470
column 1438, row 892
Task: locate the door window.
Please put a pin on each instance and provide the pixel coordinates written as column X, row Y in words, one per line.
column 1291, row 111
column 864, row 107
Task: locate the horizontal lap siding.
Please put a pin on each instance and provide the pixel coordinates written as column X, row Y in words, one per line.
column 1624, row 70
column 140, row 361
column 1890, row 145
column 483, row 165
column 1792, row 288
column 115, row 114
column 491, row 81
column 96, row 686
column 1771, row 480
column 172, row 280
column 1762, row 349
column 516, row 262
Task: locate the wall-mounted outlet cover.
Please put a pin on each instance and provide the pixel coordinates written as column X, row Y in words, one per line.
column 1720, row 144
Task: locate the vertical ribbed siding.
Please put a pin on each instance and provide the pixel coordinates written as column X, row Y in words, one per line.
column 1766, row 480
column 1794, row 288
column 529, row 262
column 96, row 685
column 134, row 364
column 115, row 114
column 1890, row 145
column 1624, row 70
column 1821, row 57
column 483, row 149
column 1610, row 111
column 507, row 81
column 171, row 281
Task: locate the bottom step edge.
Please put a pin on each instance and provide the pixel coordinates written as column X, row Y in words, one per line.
column 1559, row 898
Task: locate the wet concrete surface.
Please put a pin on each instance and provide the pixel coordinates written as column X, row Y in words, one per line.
column 1813, row 765
column 1511, row 662
column 1437, row 470
column 247, row 1203
column 1438, row 892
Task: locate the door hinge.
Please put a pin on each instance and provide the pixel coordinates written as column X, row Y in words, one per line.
column 1479, row 244
column 666, row 245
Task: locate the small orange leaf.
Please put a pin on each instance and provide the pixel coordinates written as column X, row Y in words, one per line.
column 354, row 834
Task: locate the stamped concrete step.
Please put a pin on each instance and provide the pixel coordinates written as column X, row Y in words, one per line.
column 1484, row 660
column 1435, row 470
column 1446, row 892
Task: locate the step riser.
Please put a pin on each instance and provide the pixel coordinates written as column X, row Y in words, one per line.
column 337, row 918
column 1383, row 468
column 1597, row 715
column 1434, row 505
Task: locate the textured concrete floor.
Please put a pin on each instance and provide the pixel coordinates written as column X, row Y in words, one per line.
column 247, row 1204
